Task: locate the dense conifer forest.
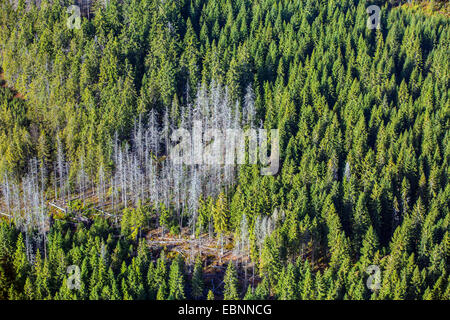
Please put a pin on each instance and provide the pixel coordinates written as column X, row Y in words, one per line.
column 358, row 208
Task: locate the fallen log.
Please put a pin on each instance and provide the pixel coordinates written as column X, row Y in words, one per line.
column 57, row 207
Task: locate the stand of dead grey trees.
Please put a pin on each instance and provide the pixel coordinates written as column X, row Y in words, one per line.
column 141, row 171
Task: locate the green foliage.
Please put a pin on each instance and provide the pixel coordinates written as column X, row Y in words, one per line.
column 230, row 291
column 364, row 141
